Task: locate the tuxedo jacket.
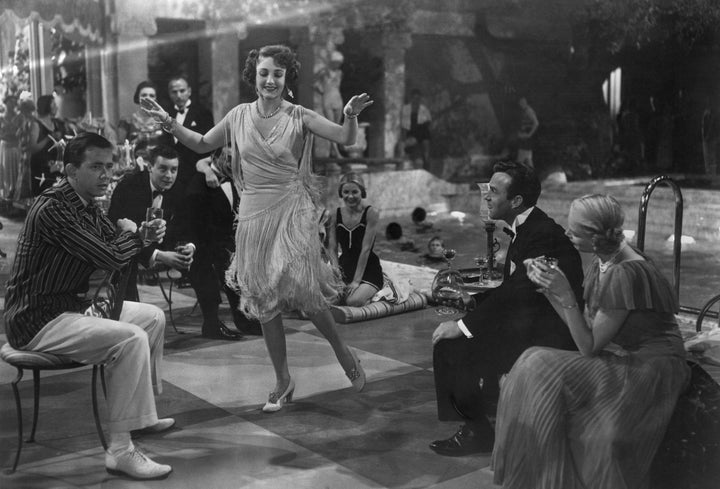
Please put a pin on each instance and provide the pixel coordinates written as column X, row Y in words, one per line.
column 197, row 119
column 514, row 314
column 133, row 196
column 211, row 216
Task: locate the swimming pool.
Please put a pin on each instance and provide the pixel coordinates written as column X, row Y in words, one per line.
column 464, row 232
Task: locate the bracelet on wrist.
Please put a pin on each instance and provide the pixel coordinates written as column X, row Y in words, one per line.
column 169, row 125
column 350, row 115
column 571, row 306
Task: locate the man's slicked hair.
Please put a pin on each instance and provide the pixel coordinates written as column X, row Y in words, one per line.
column 77, row 146
column 523, row 181
column 164, row 151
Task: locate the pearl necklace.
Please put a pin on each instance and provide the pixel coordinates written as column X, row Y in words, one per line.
column 271, row 114
column 604, row 265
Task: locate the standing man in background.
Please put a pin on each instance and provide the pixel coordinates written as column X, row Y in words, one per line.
column 191, row 115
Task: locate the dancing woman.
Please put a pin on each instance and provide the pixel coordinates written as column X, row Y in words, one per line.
column 278, row 263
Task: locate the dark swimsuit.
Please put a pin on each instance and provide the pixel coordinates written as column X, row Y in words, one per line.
column 350, row 241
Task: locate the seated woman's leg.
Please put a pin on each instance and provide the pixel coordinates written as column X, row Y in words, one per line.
column 360, row 296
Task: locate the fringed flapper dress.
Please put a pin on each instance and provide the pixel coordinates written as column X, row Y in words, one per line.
column 569, row 421
column 278, row 263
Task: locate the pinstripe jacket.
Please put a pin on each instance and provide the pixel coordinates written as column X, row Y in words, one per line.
column 61, row 244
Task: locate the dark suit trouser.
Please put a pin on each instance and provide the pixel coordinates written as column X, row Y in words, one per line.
column 459, row 365
column 207, row 276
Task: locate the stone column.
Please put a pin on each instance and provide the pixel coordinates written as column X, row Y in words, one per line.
column 226, row 69
column 395, row 44
column 325, row 41
column 133, row 29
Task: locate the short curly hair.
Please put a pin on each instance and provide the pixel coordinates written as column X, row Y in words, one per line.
column 602, row 221
column 141, row 85
column 282, row 55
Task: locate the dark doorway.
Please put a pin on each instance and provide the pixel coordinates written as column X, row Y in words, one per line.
column 181, row 48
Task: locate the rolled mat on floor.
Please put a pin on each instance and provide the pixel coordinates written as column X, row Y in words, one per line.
column 347, row 314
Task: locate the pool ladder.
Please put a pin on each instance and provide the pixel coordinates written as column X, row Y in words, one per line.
column 677, row 243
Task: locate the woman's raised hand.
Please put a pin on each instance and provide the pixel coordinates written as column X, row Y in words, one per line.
column 153, row 109
column 357, row 104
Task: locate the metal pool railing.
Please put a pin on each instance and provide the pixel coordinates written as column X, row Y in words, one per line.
column 677, row 244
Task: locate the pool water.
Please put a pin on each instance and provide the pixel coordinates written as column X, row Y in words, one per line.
column 699, row 271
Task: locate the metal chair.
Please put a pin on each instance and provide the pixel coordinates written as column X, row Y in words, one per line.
column 172, row 275
column 114, row 284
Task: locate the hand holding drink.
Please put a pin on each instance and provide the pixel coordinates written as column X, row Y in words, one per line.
column 153, row 228
column 185, row 251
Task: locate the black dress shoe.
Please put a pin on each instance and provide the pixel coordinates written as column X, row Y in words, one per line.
column 221, row 332
column 464, row 442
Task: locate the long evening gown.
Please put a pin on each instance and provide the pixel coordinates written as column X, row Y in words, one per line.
column 569, row 421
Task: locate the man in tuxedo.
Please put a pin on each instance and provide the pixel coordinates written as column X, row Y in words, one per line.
column 194, row 117
column 470, row 355
column 212, row 200
column 156, row 188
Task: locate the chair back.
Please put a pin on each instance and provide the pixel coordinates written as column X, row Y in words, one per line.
column 110, row 294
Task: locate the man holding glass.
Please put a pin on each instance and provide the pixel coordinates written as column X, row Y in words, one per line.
column 65, row 239
column 152, row 193
column 156, row 191
column 470, row 355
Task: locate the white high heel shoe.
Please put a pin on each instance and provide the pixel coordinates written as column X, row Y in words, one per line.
column 356, row 374
column 276, row 402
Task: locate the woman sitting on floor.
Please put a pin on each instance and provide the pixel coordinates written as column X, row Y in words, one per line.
column 594, row 418
column 353, row 230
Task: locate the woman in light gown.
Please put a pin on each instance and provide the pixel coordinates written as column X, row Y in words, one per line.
column 594, row 418
column 278, row 264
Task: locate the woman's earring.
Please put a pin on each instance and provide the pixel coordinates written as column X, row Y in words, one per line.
column 290, row 93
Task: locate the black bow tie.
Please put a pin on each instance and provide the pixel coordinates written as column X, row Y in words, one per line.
column 509, row 232
column 181, row 111
column 155, row 193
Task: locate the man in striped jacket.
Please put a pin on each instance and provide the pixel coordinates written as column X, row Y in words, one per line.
column 65, row 239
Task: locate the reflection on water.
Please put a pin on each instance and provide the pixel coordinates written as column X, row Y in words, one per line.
column 700, row 261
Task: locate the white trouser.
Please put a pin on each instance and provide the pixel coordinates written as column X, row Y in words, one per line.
column 131, row 350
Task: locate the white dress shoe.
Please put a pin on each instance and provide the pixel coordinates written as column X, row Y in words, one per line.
column 162, row 425
column 133, row 463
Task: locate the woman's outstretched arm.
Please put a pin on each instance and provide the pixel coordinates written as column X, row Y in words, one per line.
column 197, row 142
column 344, row 134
